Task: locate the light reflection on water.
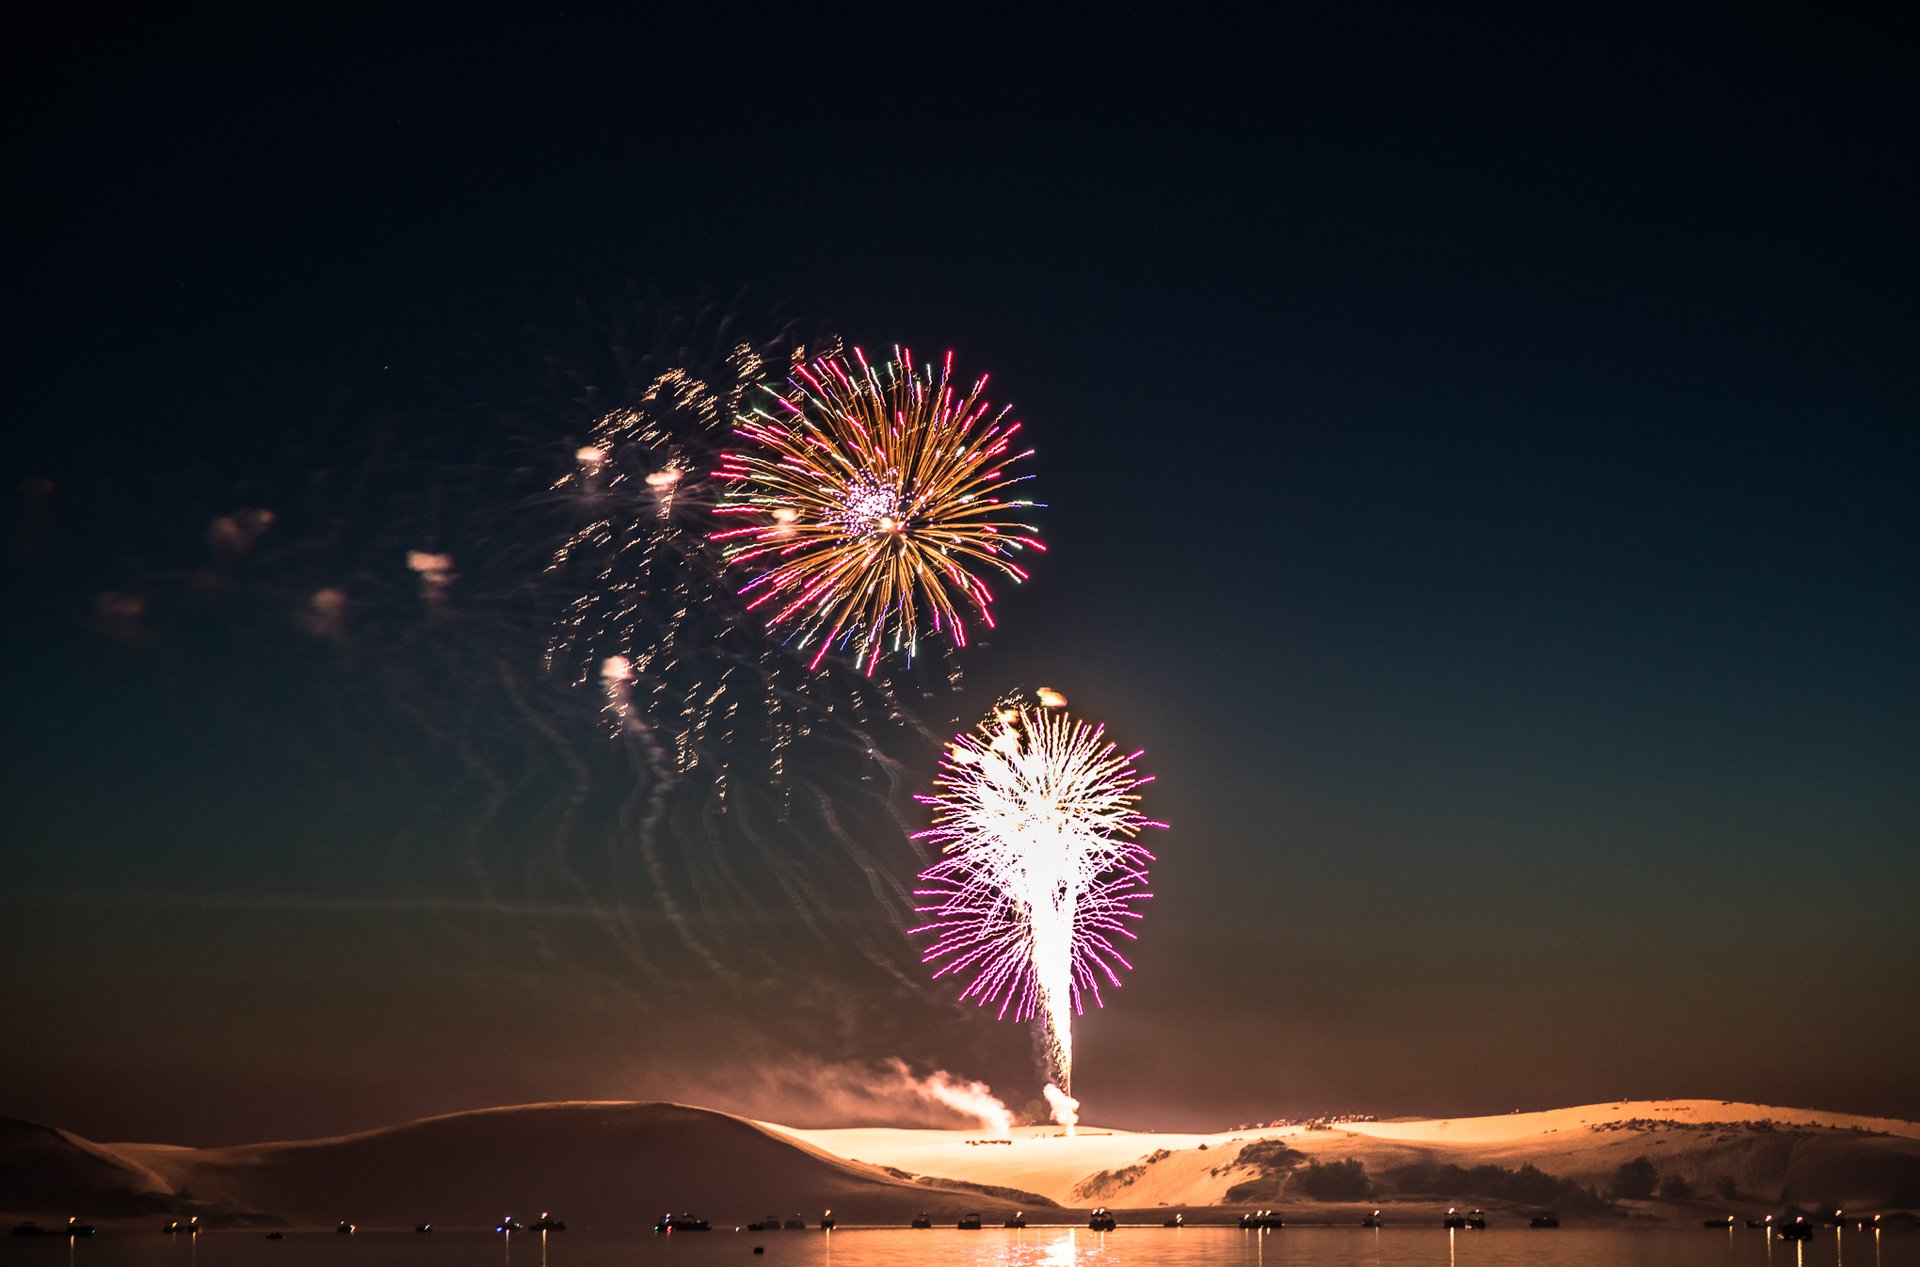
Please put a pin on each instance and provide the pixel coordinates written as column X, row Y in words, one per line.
column 1033, row 1247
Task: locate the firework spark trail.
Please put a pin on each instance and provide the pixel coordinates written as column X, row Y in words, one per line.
column 870, row 494
column 407, row 581
column 1036, row 817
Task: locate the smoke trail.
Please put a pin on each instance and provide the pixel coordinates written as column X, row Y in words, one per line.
column 973, row 1098
column 1066, row 1109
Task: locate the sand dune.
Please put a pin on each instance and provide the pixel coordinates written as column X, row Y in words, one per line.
column 41, row 1167
column 620, row 1164
column 614, row 1164
column 1773, row 1155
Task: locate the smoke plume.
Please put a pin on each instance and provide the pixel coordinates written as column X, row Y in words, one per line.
column 1066, row 1109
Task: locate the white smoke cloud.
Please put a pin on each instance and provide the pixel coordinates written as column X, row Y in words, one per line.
column 849, row 1093
column 974, row 1099
column 1066, row 1109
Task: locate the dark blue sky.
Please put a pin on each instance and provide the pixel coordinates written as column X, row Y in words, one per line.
column 1480, row 471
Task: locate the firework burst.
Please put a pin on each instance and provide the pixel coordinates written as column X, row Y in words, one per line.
column 1036, row 816
column 874, row 495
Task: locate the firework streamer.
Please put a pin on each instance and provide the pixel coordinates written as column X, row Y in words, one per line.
column 1036, row 817
column 449, row 596
column 873, row 498
column 686, row 672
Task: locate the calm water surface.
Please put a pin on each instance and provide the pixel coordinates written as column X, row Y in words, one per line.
column 993, row 1247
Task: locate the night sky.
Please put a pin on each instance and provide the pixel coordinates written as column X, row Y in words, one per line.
column 1480, row 469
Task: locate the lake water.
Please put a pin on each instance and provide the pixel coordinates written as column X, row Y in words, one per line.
column 992, row 1247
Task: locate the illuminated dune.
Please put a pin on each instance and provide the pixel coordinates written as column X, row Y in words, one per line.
column 620, row 1164
column 1773, row 1155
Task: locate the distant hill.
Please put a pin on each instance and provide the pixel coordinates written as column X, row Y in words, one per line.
column 43, row 1169
column 608, row 1164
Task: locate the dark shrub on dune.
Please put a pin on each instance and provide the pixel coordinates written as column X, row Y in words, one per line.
column 1335, row 1181
column 1635, row 1179
column 1528, row 1185
column 1274, row 1160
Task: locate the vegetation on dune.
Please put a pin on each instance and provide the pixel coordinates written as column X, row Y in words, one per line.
column 1273, row 1161
column 1635, row 1179
column 1269, row 1154
column 1527, row 1185
column 1335, row 1180
column 1107, row 1182
column 1675, row 1188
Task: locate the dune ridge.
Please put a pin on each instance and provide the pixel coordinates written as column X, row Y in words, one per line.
column 622, row 1163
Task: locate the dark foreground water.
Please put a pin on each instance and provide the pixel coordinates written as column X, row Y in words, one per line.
column 993, row 1247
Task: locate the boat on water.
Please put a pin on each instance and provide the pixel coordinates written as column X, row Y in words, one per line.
column 682, row 1223
column 346, row 1228
column 968, row 1223
column 1726, row 1222
column 1178, row 1220
column 509, row 1224
column 1372, row 1220
column 1263, row 1220
column 1551, row 1219
column 547, row 1223
column 1101, row 1221
column 177, row 1227
column 921, row 1220
column 73, row 1228
column 826, row 1220
column 1018, row 1220
column 423, row 1227
column 795, row 1224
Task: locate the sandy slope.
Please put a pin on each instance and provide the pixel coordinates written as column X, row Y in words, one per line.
column 40, row 1165
column 1797, row 1154
column 615, row 1164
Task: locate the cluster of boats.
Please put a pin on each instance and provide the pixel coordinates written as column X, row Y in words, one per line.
column 774, row 1223
column 1800, row 1227
column 1100, row 1220
column 74, row 1227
